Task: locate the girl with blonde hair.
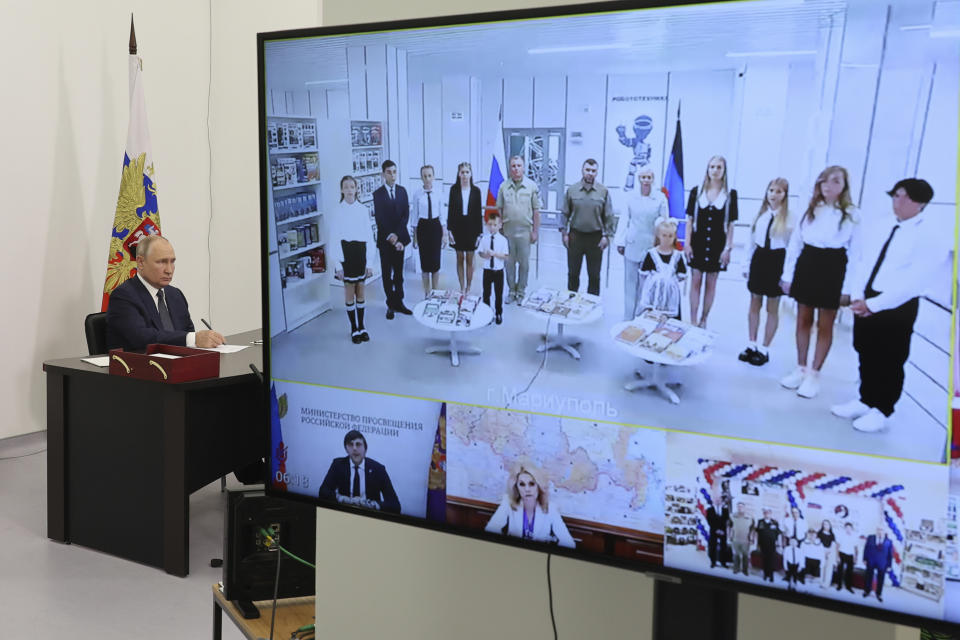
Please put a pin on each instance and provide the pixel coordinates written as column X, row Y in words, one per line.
column 770, row 234
column 815, row 272
column 665, row 268
column 711, row 212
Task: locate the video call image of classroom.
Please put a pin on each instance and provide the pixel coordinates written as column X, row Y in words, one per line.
column 817, row 150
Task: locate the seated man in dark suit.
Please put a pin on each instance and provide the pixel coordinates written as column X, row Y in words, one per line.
column 391, row 210
column 358, row 480
column 147, row 310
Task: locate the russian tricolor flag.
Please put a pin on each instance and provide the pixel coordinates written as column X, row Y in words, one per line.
column 496, row 179
column 673, row 183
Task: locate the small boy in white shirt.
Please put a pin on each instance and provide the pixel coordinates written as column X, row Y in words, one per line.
column 493, row 248
column 794, row 560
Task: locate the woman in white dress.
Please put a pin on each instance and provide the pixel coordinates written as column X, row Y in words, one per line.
column 636, row 235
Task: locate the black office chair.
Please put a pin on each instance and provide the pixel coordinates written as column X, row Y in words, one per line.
column 95, row 326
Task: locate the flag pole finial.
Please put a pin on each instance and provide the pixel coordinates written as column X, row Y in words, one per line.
column 133, row 38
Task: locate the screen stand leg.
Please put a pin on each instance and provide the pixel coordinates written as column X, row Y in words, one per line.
column 247, row 609
column 682, row 610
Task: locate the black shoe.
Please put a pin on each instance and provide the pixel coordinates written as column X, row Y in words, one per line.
column 746, row 354
column 850, row 589
column 758, row 359
column 402, row 309
column 866, row 594
column 364, row 336
column 389, row 313
column 355, row 337
column 879, row 598
column 499, row 318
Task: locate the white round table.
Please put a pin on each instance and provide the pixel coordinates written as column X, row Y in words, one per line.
column 482, row 316
column 561, row 341
column 660, row 361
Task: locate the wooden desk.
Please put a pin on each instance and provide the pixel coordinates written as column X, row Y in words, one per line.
column 292, row 613
column 124, row 455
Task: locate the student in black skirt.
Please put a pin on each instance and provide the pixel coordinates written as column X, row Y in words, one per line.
column 351, row 234
column 815, row 272
column 711, row 212
column 465, row 221
column 428, row 229
column 769, row 234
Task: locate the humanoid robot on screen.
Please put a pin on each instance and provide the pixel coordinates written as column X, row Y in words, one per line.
column 579, row 251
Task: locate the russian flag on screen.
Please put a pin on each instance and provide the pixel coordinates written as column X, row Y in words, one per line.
column 496, row 179
column 673, row 182
column 278, row 459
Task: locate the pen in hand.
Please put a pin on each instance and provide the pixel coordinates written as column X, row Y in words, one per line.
column 207, row 324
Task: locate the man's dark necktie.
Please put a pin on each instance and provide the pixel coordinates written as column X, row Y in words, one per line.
column 883, row 254
column 356, row 481
column 391, row 193
column 166, row 322
column 491, row 251
column 429, row 207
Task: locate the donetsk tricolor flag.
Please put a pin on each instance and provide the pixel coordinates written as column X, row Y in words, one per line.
column 673, row 182
column 137, row 213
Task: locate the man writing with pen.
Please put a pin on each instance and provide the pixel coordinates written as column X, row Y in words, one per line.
column 147, row 310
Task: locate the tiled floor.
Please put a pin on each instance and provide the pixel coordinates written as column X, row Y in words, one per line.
column 48, row 589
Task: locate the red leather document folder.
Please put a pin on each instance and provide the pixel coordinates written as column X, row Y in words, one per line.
column 193, row 364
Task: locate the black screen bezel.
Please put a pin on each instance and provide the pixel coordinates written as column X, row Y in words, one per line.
column 651, row 570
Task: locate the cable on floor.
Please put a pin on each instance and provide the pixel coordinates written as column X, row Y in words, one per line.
column 543, row 362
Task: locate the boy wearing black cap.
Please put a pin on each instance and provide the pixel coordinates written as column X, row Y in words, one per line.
column 899, row 258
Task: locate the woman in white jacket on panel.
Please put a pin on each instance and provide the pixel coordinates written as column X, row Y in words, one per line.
column 525, row 511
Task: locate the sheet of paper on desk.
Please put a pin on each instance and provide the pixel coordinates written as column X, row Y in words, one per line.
column 168, row 356
column 99, row 361
column 228, row 348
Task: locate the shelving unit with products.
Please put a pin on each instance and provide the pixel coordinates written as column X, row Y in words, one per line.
column 923, row 563
column 366, row 142
column 296, row 189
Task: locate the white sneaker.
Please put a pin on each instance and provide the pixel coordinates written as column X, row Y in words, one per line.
column 871, row 422
column 793, row 379
column 810, row 386
column 850, row 410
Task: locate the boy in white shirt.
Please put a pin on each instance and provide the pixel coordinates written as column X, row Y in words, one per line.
column 493, row 248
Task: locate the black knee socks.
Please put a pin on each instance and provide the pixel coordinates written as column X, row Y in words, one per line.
column 360, row 308
column 352, row 314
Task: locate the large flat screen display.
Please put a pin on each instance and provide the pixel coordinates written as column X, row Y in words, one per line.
column 668, row 287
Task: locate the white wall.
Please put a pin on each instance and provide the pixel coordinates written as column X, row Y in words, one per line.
column 65, row 120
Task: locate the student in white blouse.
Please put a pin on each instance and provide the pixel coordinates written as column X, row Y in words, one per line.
column 901, row 255
column 815, row 272
column 428, row 229
column 768, row 250
column 635, row 236
column 351, row 236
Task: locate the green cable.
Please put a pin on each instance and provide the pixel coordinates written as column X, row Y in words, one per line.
column 270, row 534
column 297, row 558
